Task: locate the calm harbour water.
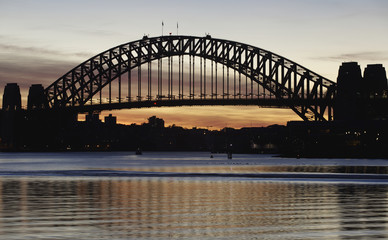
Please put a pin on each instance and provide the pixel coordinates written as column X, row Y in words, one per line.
column 191, row 196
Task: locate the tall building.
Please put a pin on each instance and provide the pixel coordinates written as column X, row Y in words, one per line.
column 110, row 120
column 93, row 118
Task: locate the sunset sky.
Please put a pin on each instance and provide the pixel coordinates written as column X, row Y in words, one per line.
column 42, row 40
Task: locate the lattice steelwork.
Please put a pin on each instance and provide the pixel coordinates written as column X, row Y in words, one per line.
column 187, row 70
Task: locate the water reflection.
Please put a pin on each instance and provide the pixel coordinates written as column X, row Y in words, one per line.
column 243, row 167
column 133, row 208
column 363, row 210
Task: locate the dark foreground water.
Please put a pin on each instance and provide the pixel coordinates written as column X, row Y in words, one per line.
column 190, row 196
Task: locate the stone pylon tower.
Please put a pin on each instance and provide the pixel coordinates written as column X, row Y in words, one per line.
column 36, row 97
column 10, row 117
column 375, row 81
column 11, row 97
column 348, row 92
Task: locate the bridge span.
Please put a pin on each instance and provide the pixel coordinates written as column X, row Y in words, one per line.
column 187, row 70
column 172, row 71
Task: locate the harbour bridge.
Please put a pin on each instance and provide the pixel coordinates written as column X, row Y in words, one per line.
column 179, row 70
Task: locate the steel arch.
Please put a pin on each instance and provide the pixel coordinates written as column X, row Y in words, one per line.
column 288, row 81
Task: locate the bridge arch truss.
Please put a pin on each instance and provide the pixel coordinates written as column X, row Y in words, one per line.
column 279, row 81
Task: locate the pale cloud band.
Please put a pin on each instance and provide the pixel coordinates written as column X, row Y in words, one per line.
column 374, row 56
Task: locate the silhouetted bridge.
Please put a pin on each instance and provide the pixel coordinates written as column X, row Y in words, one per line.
column 186, row 70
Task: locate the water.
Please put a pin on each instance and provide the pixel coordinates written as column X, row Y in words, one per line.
column 190, row 196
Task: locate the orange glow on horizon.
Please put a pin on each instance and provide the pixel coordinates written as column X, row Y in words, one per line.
column 210, row 117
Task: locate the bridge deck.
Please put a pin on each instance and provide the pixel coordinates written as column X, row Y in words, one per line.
column 267, row 103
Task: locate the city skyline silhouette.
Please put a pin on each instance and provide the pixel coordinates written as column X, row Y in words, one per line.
column 44, row 42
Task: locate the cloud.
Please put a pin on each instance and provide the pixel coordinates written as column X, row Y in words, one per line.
column 28, row 65
column 97, row 32
column 26, row 70
column 356, row 56
column 44, row 51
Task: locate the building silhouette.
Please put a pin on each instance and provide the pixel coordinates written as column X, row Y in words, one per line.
column 359, row 129
column 156, row 122
column 110, row 120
